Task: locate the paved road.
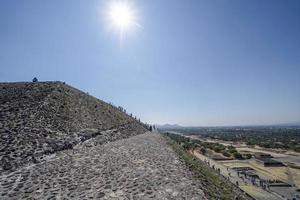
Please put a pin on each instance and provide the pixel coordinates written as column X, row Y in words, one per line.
column 140, row 167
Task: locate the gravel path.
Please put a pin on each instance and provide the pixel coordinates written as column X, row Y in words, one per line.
column 140, row 167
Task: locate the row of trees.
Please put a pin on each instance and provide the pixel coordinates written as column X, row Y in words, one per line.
column 227, row 151
column 268, row 137
column 191, row 144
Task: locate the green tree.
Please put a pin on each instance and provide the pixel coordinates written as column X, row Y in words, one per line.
column 237, row 155
column 226, row 154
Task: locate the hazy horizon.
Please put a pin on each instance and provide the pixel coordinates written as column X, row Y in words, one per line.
column 240, row 125
column 201, row 63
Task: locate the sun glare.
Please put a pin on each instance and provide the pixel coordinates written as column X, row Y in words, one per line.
column 122, row 16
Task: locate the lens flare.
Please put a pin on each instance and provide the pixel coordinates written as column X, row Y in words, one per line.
column 121, row 17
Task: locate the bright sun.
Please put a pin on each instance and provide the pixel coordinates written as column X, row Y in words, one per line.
column 122, row 16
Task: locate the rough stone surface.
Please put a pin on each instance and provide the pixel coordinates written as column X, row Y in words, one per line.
column 140, row 167
column 39, row 119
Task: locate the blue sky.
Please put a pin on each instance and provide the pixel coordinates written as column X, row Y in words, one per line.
column 213, row 62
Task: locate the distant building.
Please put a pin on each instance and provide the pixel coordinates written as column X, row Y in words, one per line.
column 250, row 174
column 262, row 155
column 269, row 162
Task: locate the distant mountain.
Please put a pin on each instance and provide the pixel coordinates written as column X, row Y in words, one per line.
column 168, row 126
column 289, row 124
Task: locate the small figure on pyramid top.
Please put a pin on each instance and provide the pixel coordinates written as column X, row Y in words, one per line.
column 34, row 80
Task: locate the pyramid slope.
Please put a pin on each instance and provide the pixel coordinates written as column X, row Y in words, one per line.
column 139, row 167
column 38, row 119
